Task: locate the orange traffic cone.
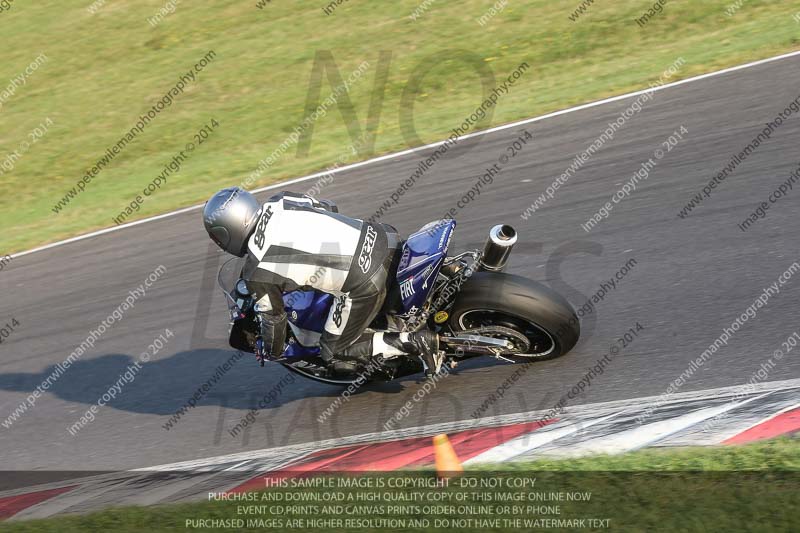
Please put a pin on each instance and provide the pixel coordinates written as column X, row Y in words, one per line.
column 447, row 463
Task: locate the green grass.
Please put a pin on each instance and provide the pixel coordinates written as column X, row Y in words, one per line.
column 737, row 488
column 106, row 69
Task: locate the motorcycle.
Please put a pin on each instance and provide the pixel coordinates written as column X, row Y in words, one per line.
column 477, row 309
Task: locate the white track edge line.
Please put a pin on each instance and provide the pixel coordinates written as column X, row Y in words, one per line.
column 445, row 427
column 535, row 439
column 420, row 148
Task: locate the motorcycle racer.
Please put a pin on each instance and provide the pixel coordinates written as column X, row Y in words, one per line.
column 294, row 242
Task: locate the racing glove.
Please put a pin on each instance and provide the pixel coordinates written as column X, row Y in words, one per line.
column 272, row 321
column 271, row 336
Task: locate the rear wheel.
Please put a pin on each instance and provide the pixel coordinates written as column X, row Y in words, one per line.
column 544, row 324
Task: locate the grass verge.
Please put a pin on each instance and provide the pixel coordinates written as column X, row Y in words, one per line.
column 106, row 66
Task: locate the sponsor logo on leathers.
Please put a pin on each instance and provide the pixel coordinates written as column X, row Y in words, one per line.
column 365, row 257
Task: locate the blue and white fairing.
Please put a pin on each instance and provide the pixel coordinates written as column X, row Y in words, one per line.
column 420, row 262
column 306, row 310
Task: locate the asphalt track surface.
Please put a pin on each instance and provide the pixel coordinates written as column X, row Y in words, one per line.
column 693, row 277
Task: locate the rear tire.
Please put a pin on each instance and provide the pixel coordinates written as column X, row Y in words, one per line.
column 514, row 301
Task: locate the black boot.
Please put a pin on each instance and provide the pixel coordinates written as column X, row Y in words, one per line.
column 355, row 356
column 423, row 344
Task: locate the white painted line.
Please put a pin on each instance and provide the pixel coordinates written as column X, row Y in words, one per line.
column 525, row 443
column 648, row 434
column 423, row 148
column 234, row 467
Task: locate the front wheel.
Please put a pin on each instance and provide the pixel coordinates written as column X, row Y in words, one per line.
column 544, row 322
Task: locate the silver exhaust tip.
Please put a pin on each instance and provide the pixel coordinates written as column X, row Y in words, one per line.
column 497, row 249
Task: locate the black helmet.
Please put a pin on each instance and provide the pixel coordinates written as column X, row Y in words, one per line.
column 230, row 218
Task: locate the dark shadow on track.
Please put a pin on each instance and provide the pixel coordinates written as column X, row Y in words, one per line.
column 162, row 387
